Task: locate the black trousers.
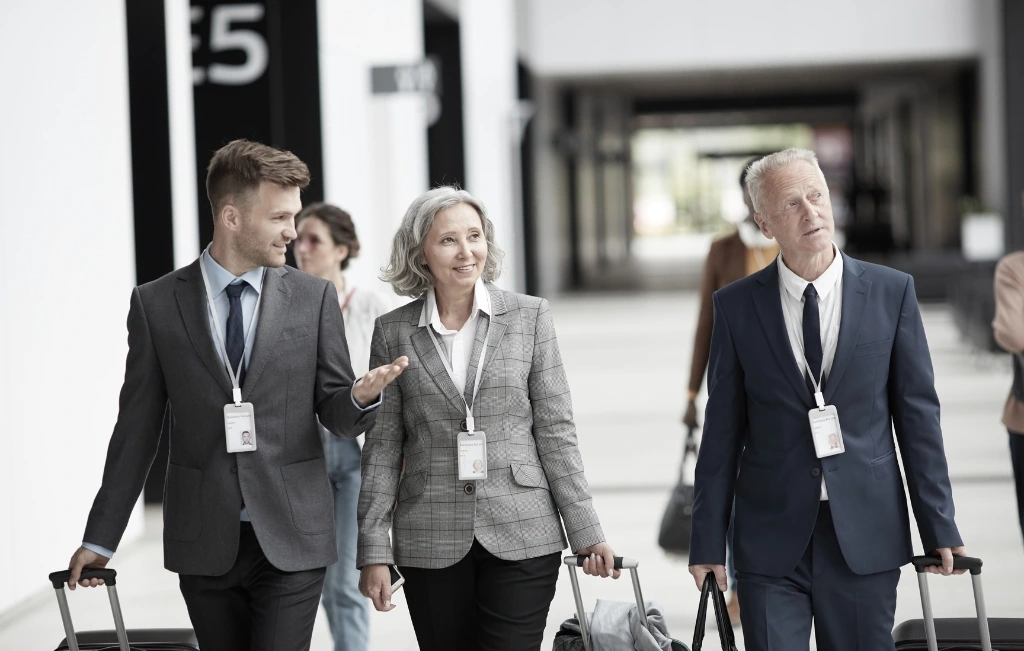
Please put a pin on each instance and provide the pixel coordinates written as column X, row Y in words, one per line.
column 1017, row 459
column 255, row 606
column 482, row 603
column 851, row 612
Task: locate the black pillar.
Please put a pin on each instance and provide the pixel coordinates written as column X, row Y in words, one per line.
column 257, row 76
column 1013, row 64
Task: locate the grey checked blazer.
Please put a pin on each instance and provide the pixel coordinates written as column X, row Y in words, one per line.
column 298, row 372
column 534, row 467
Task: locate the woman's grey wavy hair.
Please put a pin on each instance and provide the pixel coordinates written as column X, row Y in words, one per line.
column 406, row 271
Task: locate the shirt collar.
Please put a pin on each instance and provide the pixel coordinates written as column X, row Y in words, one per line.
column 220, row 277
column 824, row 284
column 431, row 316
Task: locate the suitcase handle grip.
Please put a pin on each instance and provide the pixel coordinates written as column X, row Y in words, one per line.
column 621, row 562
column 959, row 563
column 109, row 576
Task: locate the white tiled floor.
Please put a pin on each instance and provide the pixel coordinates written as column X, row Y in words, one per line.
column 628, row 357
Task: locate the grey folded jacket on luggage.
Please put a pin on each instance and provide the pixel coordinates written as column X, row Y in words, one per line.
column 616, row 626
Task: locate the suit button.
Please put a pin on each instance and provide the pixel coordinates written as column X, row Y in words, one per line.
column 463, row 426
column 234, row 470
column 470, row 489
column 816, row 472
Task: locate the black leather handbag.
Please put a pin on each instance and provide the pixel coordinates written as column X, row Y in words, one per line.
column 674, row 534
column 725, row 632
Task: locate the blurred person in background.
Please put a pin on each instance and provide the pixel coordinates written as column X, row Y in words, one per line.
column 816, row 344
column 732, row 257
column 480, row 556
column 325, row 245
column 1008, row 327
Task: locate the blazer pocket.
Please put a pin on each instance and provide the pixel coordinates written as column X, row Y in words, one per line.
column 529, row 475
column 412, row 485
column 884, row 466
column 183, row 514
column 294, row 333
column 873, row 348
column 310, row 499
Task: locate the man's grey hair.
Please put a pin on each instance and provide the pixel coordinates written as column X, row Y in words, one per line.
column 760, row 170
column 407, row 270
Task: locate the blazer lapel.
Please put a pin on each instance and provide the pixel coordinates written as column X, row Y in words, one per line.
column 427, row 353
column 855, row 294
column 195, row 312
column 273, row 313
column 490, row 330
column 768, row 304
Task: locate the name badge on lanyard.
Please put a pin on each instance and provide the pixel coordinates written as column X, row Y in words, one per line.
column 471, row 445
column 239, row 417
column 825, row 430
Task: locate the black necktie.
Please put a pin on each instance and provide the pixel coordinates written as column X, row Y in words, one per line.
column 235, row 336
column 812, row 335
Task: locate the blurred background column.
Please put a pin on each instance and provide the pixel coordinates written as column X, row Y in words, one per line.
column 492, row 121
column 66, row 183
column 374, row 146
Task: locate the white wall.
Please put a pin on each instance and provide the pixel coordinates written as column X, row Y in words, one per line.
column 487, row 33
column 579, row 37
column 375, row 147
column 66, row 213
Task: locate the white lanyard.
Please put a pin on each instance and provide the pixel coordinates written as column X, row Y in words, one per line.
column 819, row 398
column 451, row 372
column 236, row 391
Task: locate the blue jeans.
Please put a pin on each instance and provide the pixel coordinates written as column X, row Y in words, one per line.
column 348, row 612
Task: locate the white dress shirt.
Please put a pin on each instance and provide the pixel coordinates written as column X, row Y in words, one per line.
column 458, row 343
column 829, row 286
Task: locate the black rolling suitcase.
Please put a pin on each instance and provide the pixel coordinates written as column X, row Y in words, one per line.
column 169, row 639
column 960, row 634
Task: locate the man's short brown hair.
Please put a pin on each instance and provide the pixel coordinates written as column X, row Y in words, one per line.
column 238, row 168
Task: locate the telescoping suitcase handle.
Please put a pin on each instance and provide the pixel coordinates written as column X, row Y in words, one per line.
column 959, row 563
column 621, row 563
column 109, row 576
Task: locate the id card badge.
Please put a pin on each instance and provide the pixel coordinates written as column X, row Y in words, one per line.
column 472, row 450
column 240, row 427
column 826, row 432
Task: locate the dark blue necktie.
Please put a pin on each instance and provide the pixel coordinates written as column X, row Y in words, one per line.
column 234, row 338
column 812, row 335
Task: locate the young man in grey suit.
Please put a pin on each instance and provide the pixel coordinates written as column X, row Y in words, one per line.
column 817, row 345
column 237, row 338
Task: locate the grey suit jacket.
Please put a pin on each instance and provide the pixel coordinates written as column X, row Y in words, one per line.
column 299, row 370
column 534, row 467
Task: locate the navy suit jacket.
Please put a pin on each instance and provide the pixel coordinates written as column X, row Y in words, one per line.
column 757, row 443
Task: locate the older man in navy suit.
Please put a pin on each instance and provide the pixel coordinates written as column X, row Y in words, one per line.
column 818, row 349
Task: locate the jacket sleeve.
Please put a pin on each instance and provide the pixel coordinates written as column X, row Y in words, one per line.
column 381, row 466
column 915, row 417
column 555, row 434
column 335, row 405
column 705, row 321
column 724, row 424
column 1008, row 324
column 136, row 435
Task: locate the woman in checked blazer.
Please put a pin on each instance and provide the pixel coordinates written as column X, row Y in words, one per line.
column 480, row 557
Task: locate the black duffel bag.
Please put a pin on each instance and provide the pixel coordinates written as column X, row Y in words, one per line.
column 674, row 535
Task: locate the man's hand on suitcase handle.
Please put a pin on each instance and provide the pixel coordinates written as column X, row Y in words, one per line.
column 601, row 561
column 947, row 554
column 81, row 559
column 701, row 571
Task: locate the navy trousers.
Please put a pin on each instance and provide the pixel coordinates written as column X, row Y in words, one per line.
column 850, row 612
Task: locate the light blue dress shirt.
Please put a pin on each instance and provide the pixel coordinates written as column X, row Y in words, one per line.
column 220, row 278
